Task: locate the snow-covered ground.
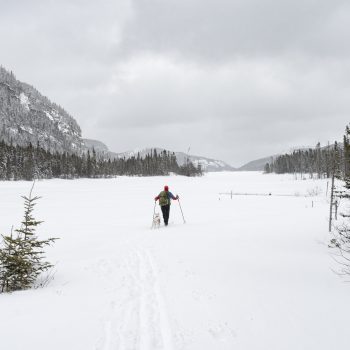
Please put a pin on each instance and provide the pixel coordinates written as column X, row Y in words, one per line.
column 251, row 272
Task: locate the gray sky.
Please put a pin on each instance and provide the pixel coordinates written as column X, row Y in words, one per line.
column 234, row 79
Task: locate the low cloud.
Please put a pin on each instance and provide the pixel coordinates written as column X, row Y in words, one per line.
column 235, row 80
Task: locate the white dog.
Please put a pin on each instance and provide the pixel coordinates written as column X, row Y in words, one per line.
column 156, row 221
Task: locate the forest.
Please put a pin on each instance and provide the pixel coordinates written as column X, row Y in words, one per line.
column 321, row 162
column 28, row 163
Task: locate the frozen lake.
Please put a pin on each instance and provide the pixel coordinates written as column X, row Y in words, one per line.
column 251, row 272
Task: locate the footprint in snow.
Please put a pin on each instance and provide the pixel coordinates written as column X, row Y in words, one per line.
column 222, row 332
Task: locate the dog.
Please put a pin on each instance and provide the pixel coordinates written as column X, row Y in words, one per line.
column 156, row 221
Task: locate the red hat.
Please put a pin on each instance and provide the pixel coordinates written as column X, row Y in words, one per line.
column 166, row 188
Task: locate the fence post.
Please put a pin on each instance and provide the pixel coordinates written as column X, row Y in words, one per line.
column 336, row 210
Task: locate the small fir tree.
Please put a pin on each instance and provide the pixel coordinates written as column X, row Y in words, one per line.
column 22, row 257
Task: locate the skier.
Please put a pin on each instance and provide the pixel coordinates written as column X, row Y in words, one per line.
column 165, row 198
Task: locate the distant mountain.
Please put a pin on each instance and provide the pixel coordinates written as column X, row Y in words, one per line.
column 27, row 116
column 208, row 164
column 256, row 165
column 98, row 146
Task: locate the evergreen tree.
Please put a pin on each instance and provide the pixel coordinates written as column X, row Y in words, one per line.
column 346, row 163
column 22, row 257
column 341, row 234
column 267, row 168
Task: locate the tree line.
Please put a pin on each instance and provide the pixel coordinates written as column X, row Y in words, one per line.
column 29, row 162
column 318, row 161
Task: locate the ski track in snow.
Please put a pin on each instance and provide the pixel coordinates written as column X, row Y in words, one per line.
column 138, row 318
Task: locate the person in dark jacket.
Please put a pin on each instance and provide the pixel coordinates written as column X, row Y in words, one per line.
column 165, row 198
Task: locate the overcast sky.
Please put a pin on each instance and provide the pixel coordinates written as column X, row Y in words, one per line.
column 232, row 79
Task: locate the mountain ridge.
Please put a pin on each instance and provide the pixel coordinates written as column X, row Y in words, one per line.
column 257, row 164
column 207, row 164
column 26, row 116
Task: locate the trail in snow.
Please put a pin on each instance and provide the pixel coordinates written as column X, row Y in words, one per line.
column 138, row 318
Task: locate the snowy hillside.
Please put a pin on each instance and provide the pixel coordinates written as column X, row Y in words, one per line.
column 98, row 146
column 27, row 116
column 256, row 165
column 208, row 164
column 251, row 272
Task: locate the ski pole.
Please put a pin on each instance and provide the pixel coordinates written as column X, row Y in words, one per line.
column 181, row 211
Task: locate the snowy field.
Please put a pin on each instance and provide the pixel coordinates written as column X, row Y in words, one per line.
column 251, row 272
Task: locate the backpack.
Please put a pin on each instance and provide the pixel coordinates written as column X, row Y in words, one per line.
column 163, row 198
